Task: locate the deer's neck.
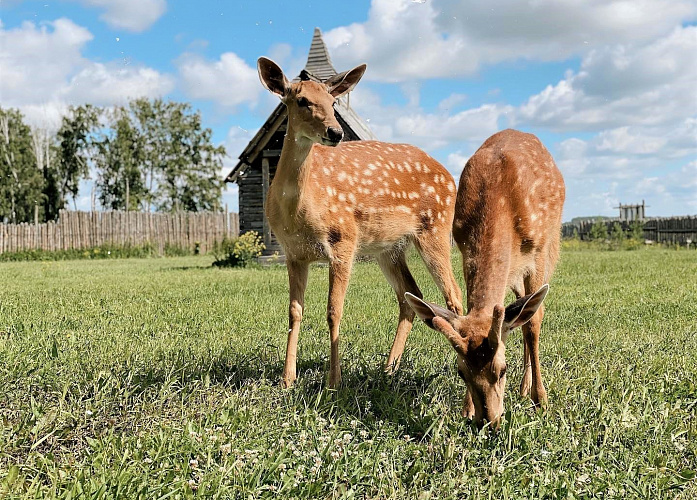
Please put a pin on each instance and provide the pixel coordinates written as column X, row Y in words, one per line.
column 293, row 165
column 488, row 265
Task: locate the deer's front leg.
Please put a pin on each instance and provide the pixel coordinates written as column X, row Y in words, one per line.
column 339, row 273
column 297, row 279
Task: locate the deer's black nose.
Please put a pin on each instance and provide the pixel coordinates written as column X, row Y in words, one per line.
column 335, row 134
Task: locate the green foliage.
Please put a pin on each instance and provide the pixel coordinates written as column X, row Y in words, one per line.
column 75, row 142
column 100, row 252
column 21, row 183
column 598, row 231
column 151, row 154
column 238, row 252
column 617, row 235
column 180, row 165
column 158, row 378
column 636, row 231
column 158, row 153
column 119, row 159
column 618, row 239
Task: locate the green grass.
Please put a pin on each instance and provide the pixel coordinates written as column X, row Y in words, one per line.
column 159, row 378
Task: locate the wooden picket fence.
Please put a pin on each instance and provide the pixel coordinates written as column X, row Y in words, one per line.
column 81, row 230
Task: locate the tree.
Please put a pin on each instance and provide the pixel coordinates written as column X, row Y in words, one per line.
column 181, row 163
column 75, row 148
column 45, row 154
column 21, row 188
column 598, row 230
column 636, row 230
column 617, row 234
column 119, row 160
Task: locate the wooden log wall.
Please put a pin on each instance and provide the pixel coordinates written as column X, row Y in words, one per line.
column 82, row 230
column 671, row 230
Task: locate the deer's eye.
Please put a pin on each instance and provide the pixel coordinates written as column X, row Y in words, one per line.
column 303, row 103
column 503, row 372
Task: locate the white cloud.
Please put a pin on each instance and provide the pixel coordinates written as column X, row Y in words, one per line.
column 629, row 164
column 402, row 39
column 131, row 15
column 680, row 187
column 428, row 130
column 452, row 101
column 456, row 161
column 35, row 59
column 627, row 152
column 43, row 71
column 103, row 84
column 229, row 81
column 648, row 84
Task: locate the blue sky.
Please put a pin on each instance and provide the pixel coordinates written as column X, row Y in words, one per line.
column 608, row 86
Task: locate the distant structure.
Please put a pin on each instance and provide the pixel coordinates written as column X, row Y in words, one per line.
column 257, row 163
column 630, row 213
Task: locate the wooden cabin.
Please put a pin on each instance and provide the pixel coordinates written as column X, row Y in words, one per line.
column 257, row 163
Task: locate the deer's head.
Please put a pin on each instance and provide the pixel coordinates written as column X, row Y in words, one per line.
column 310, row 104
column 479, row 341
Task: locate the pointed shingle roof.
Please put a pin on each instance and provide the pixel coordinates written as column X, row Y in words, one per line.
column 319, row 64
column 318, row 67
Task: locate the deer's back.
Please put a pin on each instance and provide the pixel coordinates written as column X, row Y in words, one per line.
column 510, row 185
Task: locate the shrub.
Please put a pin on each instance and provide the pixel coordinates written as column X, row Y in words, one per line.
column 238, row 252
column 105, row 251
column 598, row 231
column 636, row 231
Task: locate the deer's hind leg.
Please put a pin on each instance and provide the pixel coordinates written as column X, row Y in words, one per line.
column 531, row 338
column 394, row 267
column 526, row 382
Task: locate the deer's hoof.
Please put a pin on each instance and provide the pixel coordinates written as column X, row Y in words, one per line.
column 287, row 382
column 539, row 399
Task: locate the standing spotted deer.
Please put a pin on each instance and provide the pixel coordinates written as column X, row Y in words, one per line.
column 507, row 226
column 330, row 201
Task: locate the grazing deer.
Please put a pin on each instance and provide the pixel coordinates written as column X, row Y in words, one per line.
column 330, row 201
column 507, row 226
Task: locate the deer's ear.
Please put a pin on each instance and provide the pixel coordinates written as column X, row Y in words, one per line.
column 495, row 333
column 522, row 310
column 272, row 77
column 427, row 310
column 344, row 83
column 438, row 318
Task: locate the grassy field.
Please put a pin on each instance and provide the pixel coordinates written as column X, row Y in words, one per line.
column 158, row 378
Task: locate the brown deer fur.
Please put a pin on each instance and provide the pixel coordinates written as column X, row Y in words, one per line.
column 330, row 201
column 507, row 226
